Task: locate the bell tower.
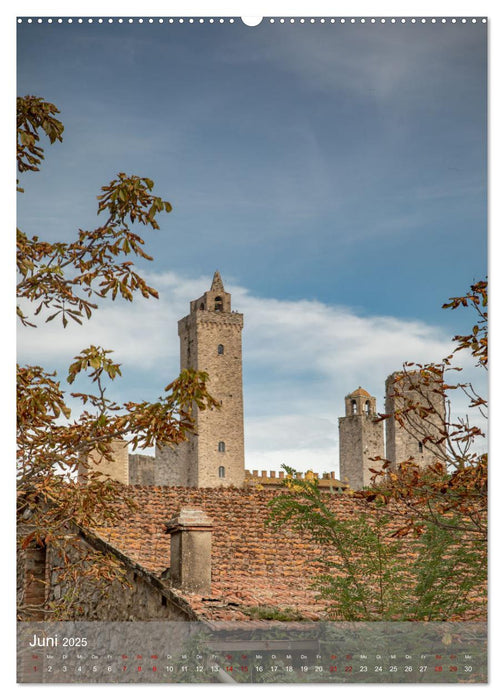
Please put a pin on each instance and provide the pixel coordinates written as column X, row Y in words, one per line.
column 360, row 439
column 210, row 341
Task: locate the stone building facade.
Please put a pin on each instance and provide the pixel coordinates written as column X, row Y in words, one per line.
column 140, row 595
column 360, row 439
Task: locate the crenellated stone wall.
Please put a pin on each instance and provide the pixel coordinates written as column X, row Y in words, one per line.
column 327, row 481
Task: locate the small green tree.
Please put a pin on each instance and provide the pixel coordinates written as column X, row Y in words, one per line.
column 361, row 560
column 374, row 573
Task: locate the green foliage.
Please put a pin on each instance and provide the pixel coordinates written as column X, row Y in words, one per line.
column 373, row 574
column 130, row 197
column 449, row 573
column 267, row 612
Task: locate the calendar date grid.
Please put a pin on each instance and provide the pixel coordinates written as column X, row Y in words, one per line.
column 75, row 663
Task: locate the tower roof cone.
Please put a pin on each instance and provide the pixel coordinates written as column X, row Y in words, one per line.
column 217, row 285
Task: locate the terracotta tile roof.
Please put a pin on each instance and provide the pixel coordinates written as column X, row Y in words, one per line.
column 360, row 392
column 252, row 565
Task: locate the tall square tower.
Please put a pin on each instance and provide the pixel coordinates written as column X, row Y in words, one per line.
column 421, row 434
column 211, row 341
column 360, row 439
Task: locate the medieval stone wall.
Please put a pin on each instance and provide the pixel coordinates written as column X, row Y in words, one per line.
column 171, row 464
column 116, row 468
column 142, row 597
column 31, row 583
column 142, row 470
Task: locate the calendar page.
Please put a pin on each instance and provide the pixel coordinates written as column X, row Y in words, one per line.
column 252, row 347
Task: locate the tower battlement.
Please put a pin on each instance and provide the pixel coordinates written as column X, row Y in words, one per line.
column 273, row 479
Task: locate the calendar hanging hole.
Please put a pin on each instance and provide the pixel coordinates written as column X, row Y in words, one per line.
column 252, row 21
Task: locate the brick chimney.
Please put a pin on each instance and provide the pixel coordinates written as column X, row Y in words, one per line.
column 190, row 552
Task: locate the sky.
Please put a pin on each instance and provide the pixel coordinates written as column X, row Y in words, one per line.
column 334, row 173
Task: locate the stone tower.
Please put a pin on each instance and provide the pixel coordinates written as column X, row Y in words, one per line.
column 360, row 439
column 116, row 467
column 406, row 442
column 210, row 340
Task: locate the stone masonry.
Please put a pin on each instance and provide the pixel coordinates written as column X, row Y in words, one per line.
column 142, row 470
column 408, row 441
column 210, row 340
column 190, row 551
column 360, row 439
column 117, row 467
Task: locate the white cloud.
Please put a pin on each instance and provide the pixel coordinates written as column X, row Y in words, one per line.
column 300, row 359
column 334, row 343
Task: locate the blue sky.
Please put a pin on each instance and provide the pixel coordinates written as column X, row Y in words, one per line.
column 334, row 173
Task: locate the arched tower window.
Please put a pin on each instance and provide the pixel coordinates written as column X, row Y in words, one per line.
column 222, row 472
column 420, row 447
column 354, row 407
column 222, row 446
column 202, row 306
column 368, row 408
column 218, row 304
column 220, row 349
